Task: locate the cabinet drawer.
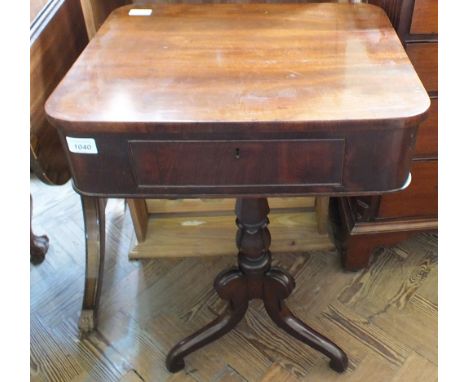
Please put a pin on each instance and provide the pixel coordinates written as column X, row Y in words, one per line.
column 425, row 61
column 237, row 163
column 419, row 199
column 426, row 143
column 424, row 19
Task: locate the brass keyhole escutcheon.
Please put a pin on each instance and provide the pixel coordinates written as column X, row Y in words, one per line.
column 237, row 155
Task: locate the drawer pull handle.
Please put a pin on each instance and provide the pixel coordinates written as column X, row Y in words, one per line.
column 237, row 153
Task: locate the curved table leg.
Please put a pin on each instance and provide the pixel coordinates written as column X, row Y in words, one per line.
column 230, row 286
column 255, row 279
column 38, row 245
column 94, row 222
column 278, row 286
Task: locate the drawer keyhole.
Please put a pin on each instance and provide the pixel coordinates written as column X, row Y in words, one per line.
column 237, row 153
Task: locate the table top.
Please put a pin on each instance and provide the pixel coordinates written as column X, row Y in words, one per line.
column 233, row 63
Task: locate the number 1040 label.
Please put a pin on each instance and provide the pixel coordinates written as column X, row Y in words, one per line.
column 82, row 145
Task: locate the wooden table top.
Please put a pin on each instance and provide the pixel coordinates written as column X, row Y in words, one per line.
column 242, row 63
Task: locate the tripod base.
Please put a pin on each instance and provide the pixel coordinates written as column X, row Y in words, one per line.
column 254, row 278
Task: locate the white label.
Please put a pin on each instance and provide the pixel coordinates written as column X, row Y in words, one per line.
column 140, row 12
column 82, row 145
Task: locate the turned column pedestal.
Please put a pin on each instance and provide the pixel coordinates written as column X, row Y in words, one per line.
column 254, row 278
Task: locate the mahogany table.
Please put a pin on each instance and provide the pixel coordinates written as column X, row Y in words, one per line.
column 245, row 101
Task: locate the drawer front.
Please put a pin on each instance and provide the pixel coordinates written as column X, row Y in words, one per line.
column 425, row 17
column 236, row 163
column 426, row 143
column 424, row 58
column 336, row 162
column 419, row 199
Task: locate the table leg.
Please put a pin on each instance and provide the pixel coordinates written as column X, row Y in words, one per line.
column 278, row 286
column 94, row 221
column 38, row 245
column 230, row 286
column 255, row 279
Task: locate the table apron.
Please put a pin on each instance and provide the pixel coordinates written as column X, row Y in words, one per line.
column 142, row 165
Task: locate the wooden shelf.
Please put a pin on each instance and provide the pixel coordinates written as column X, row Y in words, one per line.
column 207, row 228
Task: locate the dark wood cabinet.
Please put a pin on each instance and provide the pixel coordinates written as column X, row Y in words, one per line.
column 57, row 37
column 424, row 58
column 424, row 20
column 419, row 199
column 426, row 141
column 366, row 223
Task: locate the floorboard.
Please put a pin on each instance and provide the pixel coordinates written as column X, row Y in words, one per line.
column 384, row 317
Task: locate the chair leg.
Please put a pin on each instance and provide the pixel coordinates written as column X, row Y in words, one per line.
column 38, row 245
column 94, row 221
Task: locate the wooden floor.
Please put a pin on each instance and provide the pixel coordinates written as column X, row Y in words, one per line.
column 384, row 317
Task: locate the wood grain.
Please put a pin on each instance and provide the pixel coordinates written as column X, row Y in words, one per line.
column 425, row 60
column 195, row 211
column 385, row 316
column 183, row 163
column 149, row 312
column 277, row 373
column 96, row 11
column 412, row 213
column 399, row 293
column 213, row 235
column 425, row 17
column 140, row 215
column 328, row 62
column 165, row 206
column 321, row 209
column 194, row 138
column 420, row 198
column 427, row 141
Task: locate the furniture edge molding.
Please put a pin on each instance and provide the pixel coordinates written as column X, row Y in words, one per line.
column 358, row 240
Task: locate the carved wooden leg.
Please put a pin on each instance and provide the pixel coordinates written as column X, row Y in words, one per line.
column 38, row 245
column 278, row 286
column 94, row 220
column 230, row 287
column 254, row 279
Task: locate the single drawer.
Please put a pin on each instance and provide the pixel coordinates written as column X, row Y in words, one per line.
column 425, row 61
column 424, row 19
column 419, row 199
column 426, row 143
column 237, row 163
